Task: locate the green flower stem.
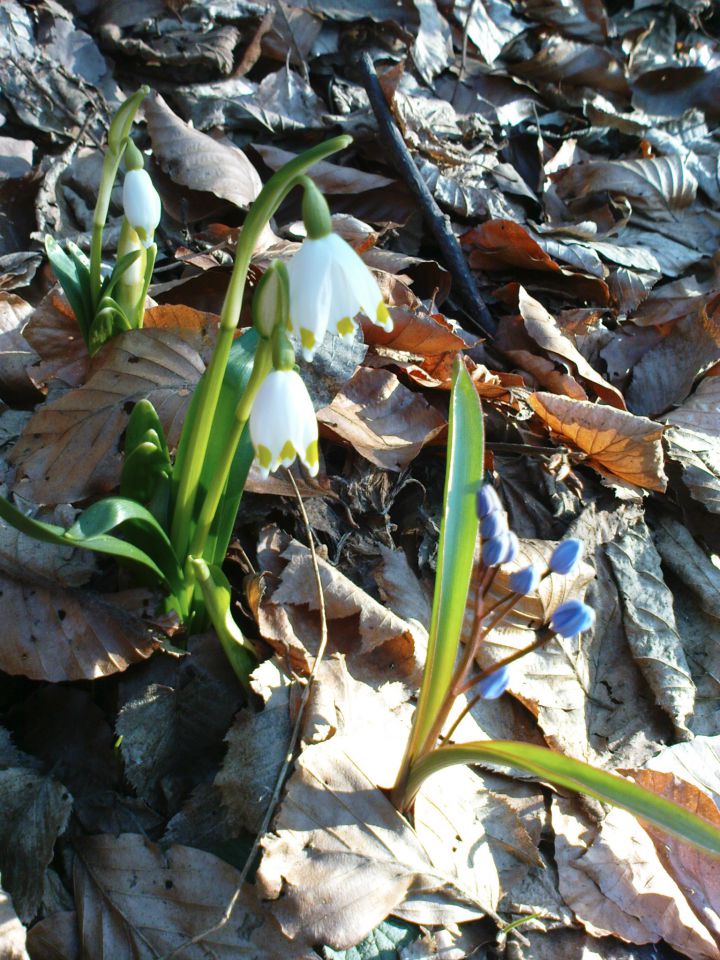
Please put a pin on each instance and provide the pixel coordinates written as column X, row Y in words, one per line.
column 117, row 138
column 261, row 367
column 260, row 214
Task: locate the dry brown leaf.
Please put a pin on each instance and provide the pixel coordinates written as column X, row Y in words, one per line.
column 12, row 932
column 384, row 421
column 618, row 444
column 421, row 343
column 55, row 937
column 341, row 857
column 71, row 448
column 195, row 160
column 613, row 880
column 16, row 355
column 544, row 330
column 330, row 177
column 132, row 896
column 701, row 411
column 655, row 185
column 378, row 642
column 53, row 332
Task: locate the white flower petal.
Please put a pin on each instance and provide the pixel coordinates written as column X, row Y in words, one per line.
column 141, row 203
column 283, row 423
column 310, row 293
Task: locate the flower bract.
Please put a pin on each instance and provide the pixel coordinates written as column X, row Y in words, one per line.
column 283, row 423
column 329, row 286
column 141, row 203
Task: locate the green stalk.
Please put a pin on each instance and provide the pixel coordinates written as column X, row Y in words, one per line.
column 117, row 138
column 261, row 368
column 260, row 214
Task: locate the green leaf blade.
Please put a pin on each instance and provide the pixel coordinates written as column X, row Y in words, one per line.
column 456, row 551
column 580, row 777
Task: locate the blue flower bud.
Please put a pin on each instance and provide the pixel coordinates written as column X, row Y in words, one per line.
column 526, row 580
column 487, row 500
column 571, row 618
column 494, row 685
column 494, row 550
column 493, row 524
column 566, row 556
column 513, row 548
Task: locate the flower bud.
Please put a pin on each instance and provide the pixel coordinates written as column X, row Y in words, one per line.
column 526, row 580
column 566, row 556
column 513, row 548
column 270, row 303
column 494, row 685
column 487, row 500
column 571, row 618
column 142, row 204
column 493, row 524
column 494, row 550
column 315, row 211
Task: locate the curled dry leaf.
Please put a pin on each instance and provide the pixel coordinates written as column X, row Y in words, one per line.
column 618, row 444
column 70, row 449
column 16, row 355
column 378, row 643
column 613, row 880
column 544, row 330
column 384, row 421
column 12, row 932
column 421, row 343
column 700, row 413
column 133, row 897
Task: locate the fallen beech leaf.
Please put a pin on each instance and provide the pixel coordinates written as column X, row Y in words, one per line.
column 53, row 332
column 12, row 932
column 330, row 177
column 612, row 879
column 341, row 857
column 195, row 160
column 701, row 411
column 34, row 810
column 694, row 871
column 55, row 937
column 16, row 355
column 655, row 185
column 665, row 374
column 384, row 421
column 378, row 642
column 544, row 330
column 71, row 447
column 133, row 897
column 697, row 456
column 617, row 444
column 56, row 630
column 649, row 621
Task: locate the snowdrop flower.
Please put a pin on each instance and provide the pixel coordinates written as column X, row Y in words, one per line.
column 329, row 283
column 283, row 424
column 141, row 203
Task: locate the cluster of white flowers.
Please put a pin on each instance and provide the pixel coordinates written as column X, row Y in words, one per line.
column 329, row 286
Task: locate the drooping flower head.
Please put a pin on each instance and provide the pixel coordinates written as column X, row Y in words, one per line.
column 141, row 201
column 283, row 423
column 329, row 283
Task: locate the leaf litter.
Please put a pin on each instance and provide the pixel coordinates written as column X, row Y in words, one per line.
column 572, row 147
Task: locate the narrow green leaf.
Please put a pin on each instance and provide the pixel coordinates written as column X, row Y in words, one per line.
column 68, row 274
column 458, row 535
column 578, row 776
column 50, row 533
column 119, row 269
column 139, row 527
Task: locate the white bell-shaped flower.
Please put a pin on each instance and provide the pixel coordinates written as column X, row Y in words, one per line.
column 141, row 203
column 283, row 423
column 329, row 286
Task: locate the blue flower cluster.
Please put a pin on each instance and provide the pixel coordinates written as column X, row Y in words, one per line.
column 499, row 546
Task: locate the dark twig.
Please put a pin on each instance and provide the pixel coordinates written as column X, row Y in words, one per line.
column 437, row 221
